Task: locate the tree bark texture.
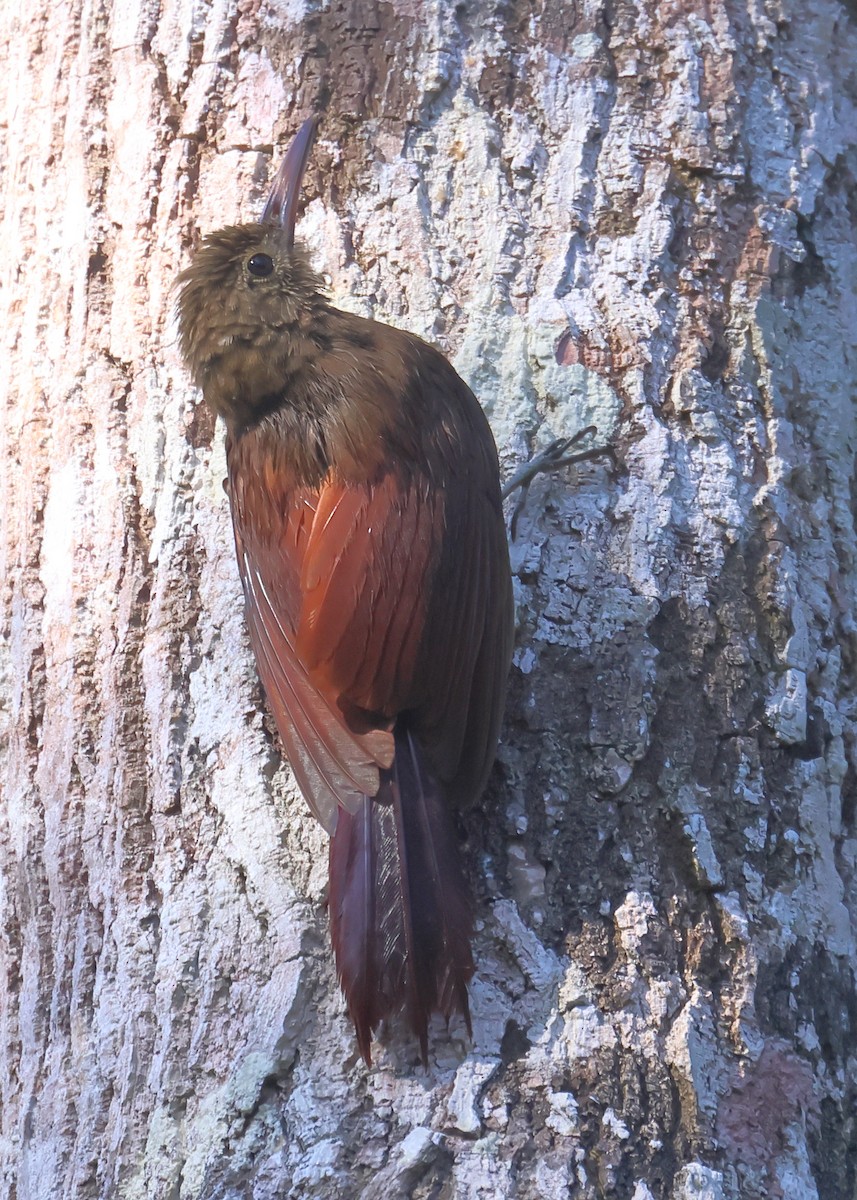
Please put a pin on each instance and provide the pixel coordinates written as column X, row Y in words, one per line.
column 635, row 215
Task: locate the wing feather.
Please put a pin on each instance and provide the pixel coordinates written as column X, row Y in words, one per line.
column 373, row 598
column 334, row 764
column 362, row 595
column 334, row 750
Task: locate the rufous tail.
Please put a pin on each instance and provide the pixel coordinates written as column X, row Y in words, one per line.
column 400, row 916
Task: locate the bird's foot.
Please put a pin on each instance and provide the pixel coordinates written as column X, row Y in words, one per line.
column 554, row 457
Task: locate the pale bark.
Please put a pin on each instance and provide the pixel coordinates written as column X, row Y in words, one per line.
column 640, row 216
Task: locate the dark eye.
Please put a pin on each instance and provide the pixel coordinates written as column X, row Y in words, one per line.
column 260, row 265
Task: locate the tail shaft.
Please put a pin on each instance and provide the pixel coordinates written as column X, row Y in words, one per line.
column 399, row 910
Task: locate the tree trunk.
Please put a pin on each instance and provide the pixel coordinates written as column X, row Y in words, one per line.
column 640, row 217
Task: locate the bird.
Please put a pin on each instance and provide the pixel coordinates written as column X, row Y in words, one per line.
column 364, row 487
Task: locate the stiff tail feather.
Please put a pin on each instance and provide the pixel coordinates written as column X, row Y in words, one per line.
column 400, row 916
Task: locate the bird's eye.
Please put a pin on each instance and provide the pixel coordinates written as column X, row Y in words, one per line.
column 260, row 265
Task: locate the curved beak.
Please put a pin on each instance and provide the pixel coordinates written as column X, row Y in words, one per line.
column 282, row 203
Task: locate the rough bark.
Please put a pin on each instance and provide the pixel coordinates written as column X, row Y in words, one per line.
column 640, row 216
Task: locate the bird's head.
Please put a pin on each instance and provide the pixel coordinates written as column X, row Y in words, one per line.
column 246, row 292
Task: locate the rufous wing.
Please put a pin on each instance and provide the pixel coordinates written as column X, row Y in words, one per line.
column 333, row 764
column 366, row 584
column 367, row 600
column 407, row 607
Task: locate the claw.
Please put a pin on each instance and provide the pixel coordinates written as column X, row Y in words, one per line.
column 552, row 458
